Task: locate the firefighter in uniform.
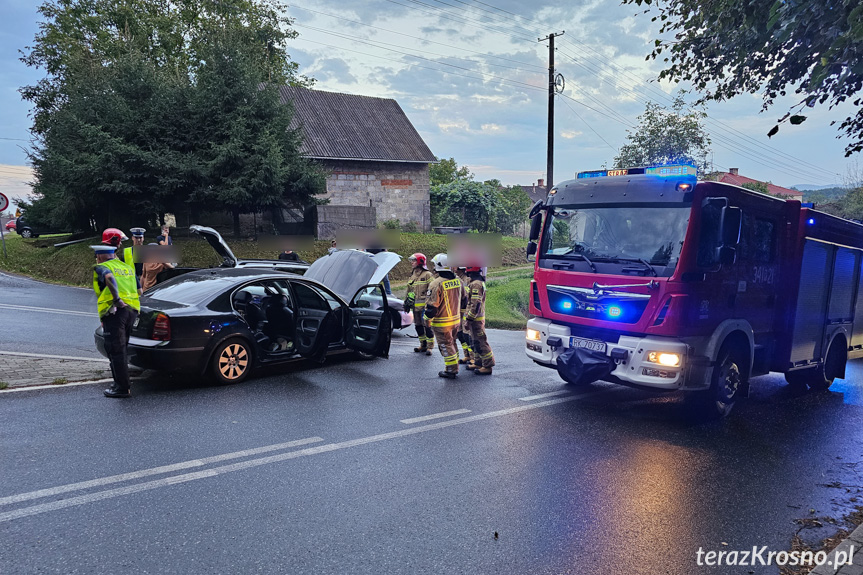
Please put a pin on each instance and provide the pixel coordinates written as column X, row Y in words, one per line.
column 128, row 255
column 117, row 291
column 463, row 330
column 475, row 320
column 415, row 300
column 443, row 313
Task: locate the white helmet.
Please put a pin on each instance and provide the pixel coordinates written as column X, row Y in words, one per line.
column 440, row 263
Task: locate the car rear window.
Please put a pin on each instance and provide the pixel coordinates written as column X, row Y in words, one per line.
column 191, row 288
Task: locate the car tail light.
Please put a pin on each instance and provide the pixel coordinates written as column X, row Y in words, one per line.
column 161, row 328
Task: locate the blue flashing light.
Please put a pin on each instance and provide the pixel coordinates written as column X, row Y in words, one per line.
column 567, row 305
column 811, row 221
column 664, row 171
column 614, row 311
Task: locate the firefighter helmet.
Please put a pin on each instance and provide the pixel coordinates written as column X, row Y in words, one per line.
column 474, row 269
column 419, row 259
column 113, row 237
column 441, row 263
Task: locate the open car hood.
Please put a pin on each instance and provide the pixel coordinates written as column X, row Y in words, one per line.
column 346, row 271
column 216, row 241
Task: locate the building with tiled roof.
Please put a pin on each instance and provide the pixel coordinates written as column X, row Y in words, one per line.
column 733, row 177
column 375, row 156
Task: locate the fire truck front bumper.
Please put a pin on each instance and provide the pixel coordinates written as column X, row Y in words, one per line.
column 644, row 361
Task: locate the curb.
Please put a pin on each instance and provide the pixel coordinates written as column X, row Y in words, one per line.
column 45, row 356
column 54, row 385
column 855, row 540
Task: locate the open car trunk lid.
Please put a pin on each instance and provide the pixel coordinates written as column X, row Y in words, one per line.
column 216, row 241
column 346, row 271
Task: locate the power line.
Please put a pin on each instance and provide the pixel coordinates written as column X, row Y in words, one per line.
column 378, row 44
column 577, row 115
column 516, row 82
column 486, row 54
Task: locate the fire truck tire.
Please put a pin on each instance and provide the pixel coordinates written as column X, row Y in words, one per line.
column 727, row 383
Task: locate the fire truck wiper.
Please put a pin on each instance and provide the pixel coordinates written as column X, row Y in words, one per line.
column 643, row 262
column 590, row 263
column 652, row 284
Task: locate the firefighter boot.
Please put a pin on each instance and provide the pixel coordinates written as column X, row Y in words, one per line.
column 483, row 371
column 447, row 374
column 423, row 347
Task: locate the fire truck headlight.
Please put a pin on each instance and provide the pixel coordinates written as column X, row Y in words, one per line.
column 533, row 334
column 663, row 358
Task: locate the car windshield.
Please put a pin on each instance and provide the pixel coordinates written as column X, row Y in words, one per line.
column 652, row 233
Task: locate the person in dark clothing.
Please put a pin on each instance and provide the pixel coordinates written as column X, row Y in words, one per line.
column 165, row 239
column 289, row 255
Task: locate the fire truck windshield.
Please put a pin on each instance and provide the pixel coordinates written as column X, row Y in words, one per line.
column 648, row 234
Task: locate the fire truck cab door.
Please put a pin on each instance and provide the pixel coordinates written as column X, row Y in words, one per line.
column 758, row 271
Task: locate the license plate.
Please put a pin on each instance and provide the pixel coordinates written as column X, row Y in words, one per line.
column 590, row 344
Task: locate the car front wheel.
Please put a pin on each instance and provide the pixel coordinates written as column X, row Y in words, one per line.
column 232, row 361
column 26, row 233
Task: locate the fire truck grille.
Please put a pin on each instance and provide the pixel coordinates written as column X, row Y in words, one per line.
column 621, row 308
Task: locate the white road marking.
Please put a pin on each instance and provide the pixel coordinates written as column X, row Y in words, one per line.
column 46, row 356
column 47, row 310
column 326, row 448
column 154, row 471
column 544, row 395
column 435, row 416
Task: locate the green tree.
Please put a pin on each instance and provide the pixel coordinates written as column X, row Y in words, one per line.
column 448, row 171
column 148, row 106
column 731, row 47
column 674, row 135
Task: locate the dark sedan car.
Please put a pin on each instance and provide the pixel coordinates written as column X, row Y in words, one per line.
column 228, row 321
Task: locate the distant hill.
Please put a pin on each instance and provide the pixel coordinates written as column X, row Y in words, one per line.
column 809, row 187
column 824, row 194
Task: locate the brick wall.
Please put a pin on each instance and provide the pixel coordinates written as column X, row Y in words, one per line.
column 396, row 190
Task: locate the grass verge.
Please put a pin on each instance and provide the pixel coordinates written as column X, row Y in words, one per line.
column 72, row 265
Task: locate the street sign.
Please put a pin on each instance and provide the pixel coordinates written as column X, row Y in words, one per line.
column 4, row 203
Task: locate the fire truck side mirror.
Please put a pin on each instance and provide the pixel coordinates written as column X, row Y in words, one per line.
column 531, row 250
column 729, row 226
column 726, row 255
column 535, row 227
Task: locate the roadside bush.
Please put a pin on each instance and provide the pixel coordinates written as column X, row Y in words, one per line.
column 411, row 227
column 391, row 224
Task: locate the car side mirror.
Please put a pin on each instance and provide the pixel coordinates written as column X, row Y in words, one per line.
column 531, row 251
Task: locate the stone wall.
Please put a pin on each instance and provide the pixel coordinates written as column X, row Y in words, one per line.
column 396, row 190
column 330, row 220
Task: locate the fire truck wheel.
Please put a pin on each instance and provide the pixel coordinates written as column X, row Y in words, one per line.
column 726, row 384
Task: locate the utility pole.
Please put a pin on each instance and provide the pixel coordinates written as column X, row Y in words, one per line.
column 551, row 90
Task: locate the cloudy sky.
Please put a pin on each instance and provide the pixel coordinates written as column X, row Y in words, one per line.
column 472, row 78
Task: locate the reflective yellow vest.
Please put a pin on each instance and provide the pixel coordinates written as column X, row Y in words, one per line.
column 127, row 286
column 445, row 295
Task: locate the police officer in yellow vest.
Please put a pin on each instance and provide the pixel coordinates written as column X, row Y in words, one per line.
column 117, row 290
column 443, row 313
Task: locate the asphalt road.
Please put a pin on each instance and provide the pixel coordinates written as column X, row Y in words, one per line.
column 325, row 469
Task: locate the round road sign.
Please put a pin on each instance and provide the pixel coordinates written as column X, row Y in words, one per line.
column 4, row 203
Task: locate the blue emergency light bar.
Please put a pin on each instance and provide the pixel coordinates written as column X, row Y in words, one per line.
column 672, row 170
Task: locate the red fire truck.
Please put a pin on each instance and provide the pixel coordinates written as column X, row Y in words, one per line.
column 650, row 278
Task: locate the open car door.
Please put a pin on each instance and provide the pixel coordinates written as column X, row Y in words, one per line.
column 316, row 323
column 369, row 327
